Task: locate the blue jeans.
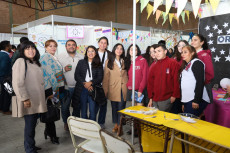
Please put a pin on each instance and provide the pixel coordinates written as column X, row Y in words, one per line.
column 66, row 104
column 117, row 106
column 85, row 99
column 188, row 108
column 29, row 132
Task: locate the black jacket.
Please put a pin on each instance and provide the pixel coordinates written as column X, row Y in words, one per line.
column 80, row 74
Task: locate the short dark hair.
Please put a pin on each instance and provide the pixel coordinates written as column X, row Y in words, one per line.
column 96, row 60
column 105, row 39
column 162, row 42
column 69, row 41
column 162, row 46
column 13, row 47
column 28, row 44
column 22, row 39
column 4, row 44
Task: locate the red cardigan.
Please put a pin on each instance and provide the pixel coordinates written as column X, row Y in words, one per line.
column 141, row 74
column 206, row 57
column 163, row 80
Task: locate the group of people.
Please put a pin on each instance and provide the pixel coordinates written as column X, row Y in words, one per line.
column 177, row 84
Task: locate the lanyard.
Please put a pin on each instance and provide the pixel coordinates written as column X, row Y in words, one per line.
column 103, row 58
column 88, row 69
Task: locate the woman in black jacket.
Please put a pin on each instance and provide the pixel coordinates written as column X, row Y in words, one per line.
column 88, row 73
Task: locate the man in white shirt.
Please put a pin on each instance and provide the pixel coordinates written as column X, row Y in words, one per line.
column 69, row 62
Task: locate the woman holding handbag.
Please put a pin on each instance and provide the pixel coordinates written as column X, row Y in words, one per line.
column 28, row 85
column 88, row 74
column 114, row 82
column 54, row 83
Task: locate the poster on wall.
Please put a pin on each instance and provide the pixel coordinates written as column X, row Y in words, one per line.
column 216, row 29
column 75, row 32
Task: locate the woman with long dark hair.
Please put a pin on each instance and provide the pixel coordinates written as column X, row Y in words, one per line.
column 141, row 72
column 178, row 50
column 114, row 82
column 88, row 74
column 149, row 54
column 194, row 95
column 29, row 88
column 199, row 42
column 54, row 83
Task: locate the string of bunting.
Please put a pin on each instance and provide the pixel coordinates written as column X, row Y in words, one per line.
column 179, row 4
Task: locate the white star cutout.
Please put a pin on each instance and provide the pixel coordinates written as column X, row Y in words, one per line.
column 213, row 49
column 228, row 32
column 210, row 35
column 207, row 28
column 225, row 25
column 227, row 58
column 217, row 58
column 210, row 42
column 215, row 27
column 219, row 31
column 222, row 52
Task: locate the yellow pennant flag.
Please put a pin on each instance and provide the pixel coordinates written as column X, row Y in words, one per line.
column 187, row 13
column 137, row 1
column 158, row 14
column 168, row 6
column 206, row 1
column 214, row 4
column 149, row 10
column 143, row 4
column 171, row 15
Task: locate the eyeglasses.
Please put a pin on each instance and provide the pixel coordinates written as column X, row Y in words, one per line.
column 90, row 51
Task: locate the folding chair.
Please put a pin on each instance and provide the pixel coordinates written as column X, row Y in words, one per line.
column 88, row 130
column 113, row 144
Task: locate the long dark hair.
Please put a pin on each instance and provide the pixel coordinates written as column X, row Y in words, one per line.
column 184, row 63
column 202, row 38
column 176, row 51
column 128, row 57
column 112, row 56
column 25, row 45
column 96, row 60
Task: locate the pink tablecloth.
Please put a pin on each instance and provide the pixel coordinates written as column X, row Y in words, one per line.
column 219, row 111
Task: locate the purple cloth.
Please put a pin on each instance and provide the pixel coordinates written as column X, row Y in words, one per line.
column 219, row 111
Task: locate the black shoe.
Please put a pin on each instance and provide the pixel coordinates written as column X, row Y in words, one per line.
column 55, row 140
column 37, row 148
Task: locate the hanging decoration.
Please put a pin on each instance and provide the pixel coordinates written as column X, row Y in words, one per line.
column 181, row 6
column 143, row 4
column 195, row 6
column 183, row 16
column 158, row 14
column 149, row 10
column 168, row 6
column 156, row 5
column 214, row 4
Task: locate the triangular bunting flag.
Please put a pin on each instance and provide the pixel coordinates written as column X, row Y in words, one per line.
column 214, row 4
column 165, row 17
column 187, row 13
column 158, row 14
column 122, row 40
column 149, row 10
column 137, row 1
column 171, row 15
column 168, row 6
column 181, row 6
column 183, row 16
column 156, row 5
column 138, row 37
column 195, row 6
column 143, row 4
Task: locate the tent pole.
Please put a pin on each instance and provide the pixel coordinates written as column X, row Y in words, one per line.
column 134, row 55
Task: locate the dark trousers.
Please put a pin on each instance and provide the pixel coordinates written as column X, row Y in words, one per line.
column 188, row 108
column 176, row 106
column 29, row 132
column 85, row 99
column 117, row 106
column 65, row 104
column 5, row 100
column 102, row 113
column 50, row 129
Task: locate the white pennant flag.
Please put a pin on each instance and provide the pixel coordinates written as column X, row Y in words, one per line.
column 195, row 6
column 156, row 5
column 180, row 6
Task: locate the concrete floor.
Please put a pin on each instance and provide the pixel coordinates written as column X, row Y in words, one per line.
column 12, row 135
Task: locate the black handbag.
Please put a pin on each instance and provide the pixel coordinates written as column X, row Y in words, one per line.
column 53, row 113
column 98, row 95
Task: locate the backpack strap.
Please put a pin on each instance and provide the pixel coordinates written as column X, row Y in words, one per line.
column 25, row 67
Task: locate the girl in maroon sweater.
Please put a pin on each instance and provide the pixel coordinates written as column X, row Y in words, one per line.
column 141, row 71
column 199, row 42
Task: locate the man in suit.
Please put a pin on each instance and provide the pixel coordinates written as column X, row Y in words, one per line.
column 5, row 71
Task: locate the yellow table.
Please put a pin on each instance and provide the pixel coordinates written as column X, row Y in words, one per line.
column 202, row 130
